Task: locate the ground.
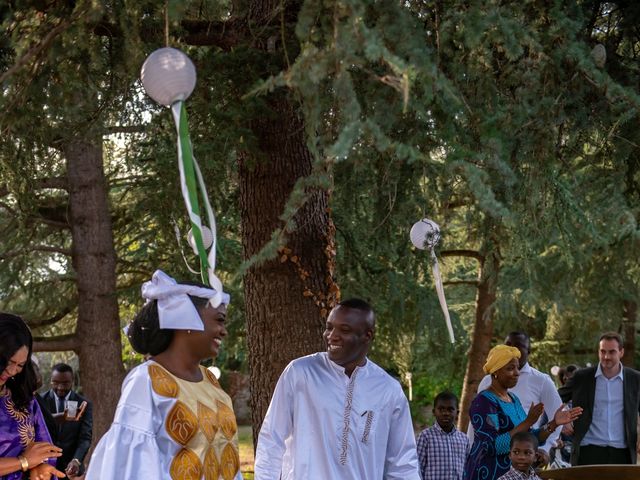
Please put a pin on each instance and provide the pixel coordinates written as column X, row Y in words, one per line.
column 245, row 441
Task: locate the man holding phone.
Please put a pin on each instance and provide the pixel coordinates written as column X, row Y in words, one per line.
column 74, row 417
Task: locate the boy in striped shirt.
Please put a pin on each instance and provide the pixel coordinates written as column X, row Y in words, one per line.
column 443, row 449
column 524, row 446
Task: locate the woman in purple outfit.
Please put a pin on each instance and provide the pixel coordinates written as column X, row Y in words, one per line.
column 25, row 444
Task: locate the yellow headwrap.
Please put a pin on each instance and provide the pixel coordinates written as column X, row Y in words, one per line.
column 499, row 356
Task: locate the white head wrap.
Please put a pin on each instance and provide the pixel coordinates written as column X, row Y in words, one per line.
column 175, row 308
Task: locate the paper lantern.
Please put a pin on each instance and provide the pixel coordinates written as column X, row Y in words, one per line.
column 168, row 75
column 207, row 239
column 425, row 234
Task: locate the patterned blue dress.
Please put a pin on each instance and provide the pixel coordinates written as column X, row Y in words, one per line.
column 492, row 420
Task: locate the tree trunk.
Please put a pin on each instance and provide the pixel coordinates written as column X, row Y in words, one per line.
column 287, row 299
column 94, row 261
column 482, row 334
column 630, row 316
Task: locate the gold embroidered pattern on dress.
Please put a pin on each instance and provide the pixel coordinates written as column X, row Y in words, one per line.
column 181, row 423
column 27, row 434
column 227, row 420
column 162, row 382
column 212, row 378
column 186, row 466
column 208, row 421
column 26, row 428
column 229, row 462
column 211, row 465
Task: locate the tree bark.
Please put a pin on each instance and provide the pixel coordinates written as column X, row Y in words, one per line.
column 94, row 260
column 482, row 333
column 630, row 316
column 287, row 299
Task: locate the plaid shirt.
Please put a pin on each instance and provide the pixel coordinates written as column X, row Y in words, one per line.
column 514, row 474
column 441, row 454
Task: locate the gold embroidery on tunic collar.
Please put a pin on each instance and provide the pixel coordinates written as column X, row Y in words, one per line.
column 212, row 378
column 162, row 382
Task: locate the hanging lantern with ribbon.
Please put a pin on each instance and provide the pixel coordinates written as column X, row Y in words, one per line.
column 169, row 77
column 425, row 235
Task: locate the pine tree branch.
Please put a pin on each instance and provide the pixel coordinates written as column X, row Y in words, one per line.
column 56, row 344
column 59, row 183
column 39, row 47
column 35, row 248
column 475, row 283
column 125, row 129
column 222, row 34
column 45, row 322
column 463, row 253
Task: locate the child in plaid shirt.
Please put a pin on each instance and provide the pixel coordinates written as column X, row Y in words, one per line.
column 442, row 449
column 522, row 454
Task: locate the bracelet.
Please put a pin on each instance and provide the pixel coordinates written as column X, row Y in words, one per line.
column 549, row 428
column 24, row 463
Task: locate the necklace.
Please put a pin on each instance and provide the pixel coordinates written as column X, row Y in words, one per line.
column 504, row 397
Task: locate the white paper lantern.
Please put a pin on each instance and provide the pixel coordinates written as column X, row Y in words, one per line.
column 168, row 75
column 425, row 234
column 207, row 239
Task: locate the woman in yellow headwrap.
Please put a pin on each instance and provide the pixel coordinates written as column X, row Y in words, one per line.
column 496, row 415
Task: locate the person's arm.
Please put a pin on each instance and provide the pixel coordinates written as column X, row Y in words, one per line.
column 85, row 434
column 552, row 402
column 483, row 385
column 422, row 446
column 130, row 448
column 401, row 462
column 40, row 428
column 276, row 428
column 484, row 414
column 9, row 465
column 561, row 417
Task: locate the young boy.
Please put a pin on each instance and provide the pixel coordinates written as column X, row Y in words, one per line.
column 442, row 449
column 524, row 446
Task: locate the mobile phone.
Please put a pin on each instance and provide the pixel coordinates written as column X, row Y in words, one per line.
column 72, row 408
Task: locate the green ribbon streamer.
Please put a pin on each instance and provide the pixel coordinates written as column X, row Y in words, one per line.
column 188, row 182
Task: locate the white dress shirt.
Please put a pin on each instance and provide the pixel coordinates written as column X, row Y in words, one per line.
column 607, row 421
column 322, row 424
column 533, row 387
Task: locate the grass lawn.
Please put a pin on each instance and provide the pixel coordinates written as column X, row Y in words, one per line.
column 245, row 444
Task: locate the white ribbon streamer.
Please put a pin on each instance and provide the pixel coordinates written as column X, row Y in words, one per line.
column 440, row 289
column 175, row 309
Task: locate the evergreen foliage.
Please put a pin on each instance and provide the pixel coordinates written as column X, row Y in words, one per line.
column 492, row 118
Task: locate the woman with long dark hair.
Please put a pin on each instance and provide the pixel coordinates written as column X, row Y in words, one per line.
column 25, row 444
column 173, row 420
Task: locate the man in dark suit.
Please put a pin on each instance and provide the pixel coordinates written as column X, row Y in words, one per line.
column 606, row 432
column 74, row 437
